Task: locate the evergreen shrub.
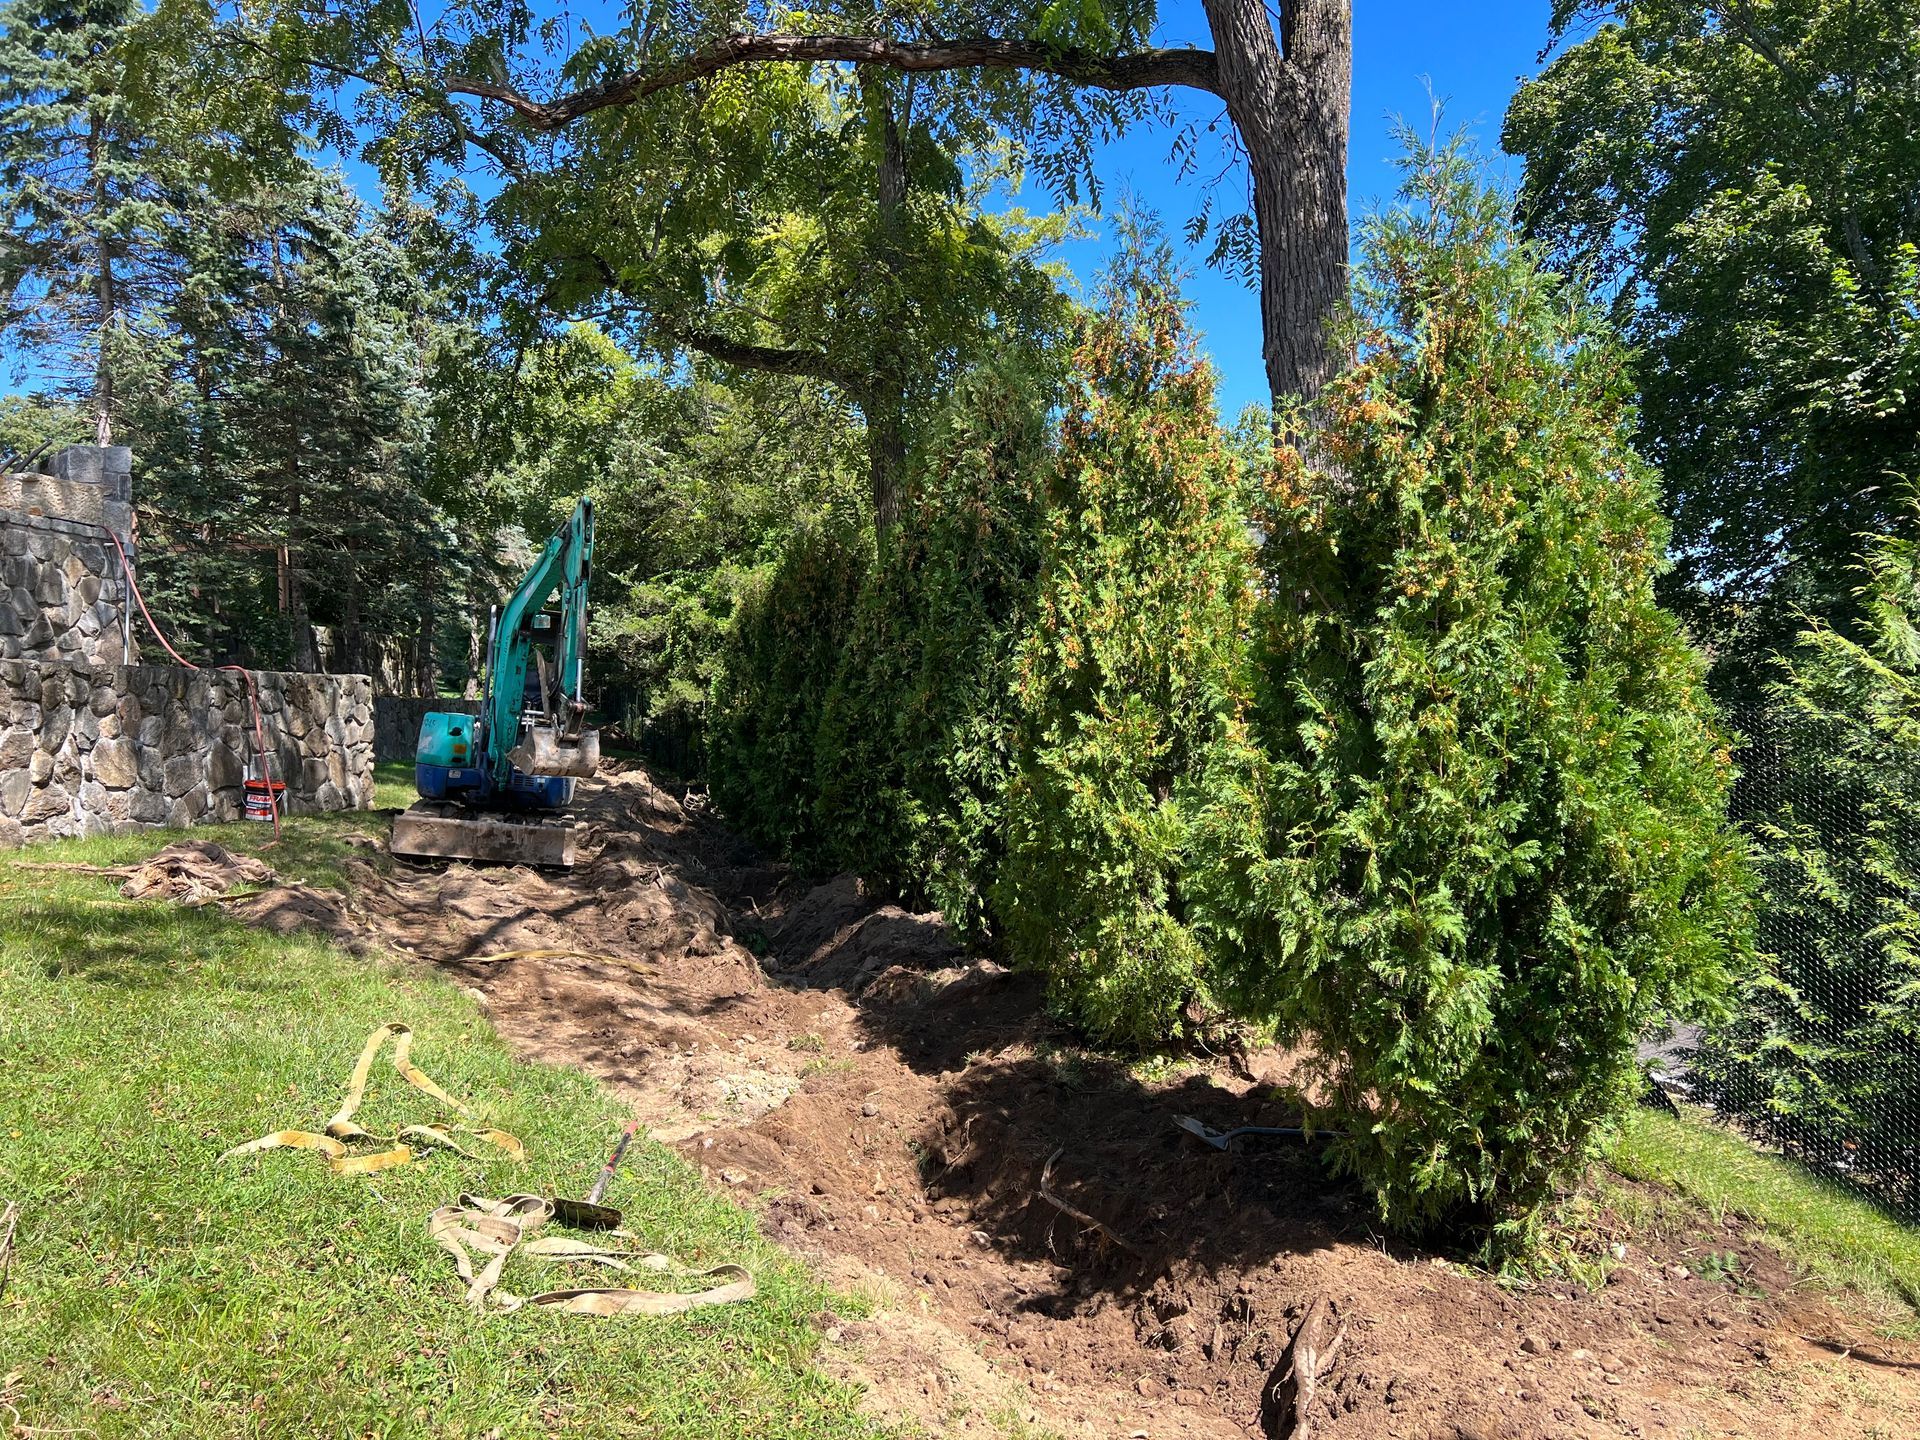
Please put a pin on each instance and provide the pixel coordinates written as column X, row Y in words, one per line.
column 914, row 745
column 777, row 663
column 1498, row 846
column 1135, row 772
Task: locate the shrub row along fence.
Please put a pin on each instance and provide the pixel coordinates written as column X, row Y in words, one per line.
column 1822, row 1061
column 1426, row 781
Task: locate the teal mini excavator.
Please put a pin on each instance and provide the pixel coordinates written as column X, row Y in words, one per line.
column 495, row 786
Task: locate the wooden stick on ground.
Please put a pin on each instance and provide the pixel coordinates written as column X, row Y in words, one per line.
column 1046, row 1194
column 9, row 1219
column 591, row 956
column 1853, row 1350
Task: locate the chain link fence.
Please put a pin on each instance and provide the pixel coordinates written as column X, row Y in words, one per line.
column 1822, row 1058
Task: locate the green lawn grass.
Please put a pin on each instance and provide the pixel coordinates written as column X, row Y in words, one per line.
column 393, row 785
column 154, row 1293
column 1832, row 1232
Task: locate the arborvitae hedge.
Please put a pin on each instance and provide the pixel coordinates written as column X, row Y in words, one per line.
column 1824, row 1056
column 1132, row 683
column 1497, row 838
column 914, row 746
column 778, row 662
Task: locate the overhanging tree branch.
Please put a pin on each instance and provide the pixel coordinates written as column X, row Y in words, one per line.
column 773, row 359
column 1133, row 70
column 745, row 354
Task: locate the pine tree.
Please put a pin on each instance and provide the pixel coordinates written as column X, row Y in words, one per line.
column 82, row 191
column 282, row 422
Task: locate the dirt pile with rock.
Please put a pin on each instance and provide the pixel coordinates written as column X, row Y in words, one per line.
column 1047, row 1247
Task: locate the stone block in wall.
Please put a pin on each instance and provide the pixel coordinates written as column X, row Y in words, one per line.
column 47, row 802
column 189, row 807
column 181, row 773
column 225, row 769
column 115, row 765
column 56, row 720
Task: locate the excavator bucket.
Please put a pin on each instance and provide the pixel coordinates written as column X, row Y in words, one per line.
column 436, row 831
column 544, row 751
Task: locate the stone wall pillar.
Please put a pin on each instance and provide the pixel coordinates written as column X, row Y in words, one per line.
column 63, row 591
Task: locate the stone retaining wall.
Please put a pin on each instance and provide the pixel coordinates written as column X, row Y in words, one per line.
column 94, row 750
column 90, row 743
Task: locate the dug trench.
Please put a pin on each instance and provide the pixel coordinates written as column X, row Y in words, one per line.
column 1045, row 1251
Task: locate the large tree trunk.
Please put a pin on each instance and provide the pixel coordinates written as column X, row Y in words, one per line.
column 300, row 638
column 353, row 636
column 885, row 401
column 107, row 293
column 1289, row 95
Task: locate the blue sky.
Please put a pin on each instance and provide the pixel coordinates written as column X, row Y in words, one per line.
column 1471, row 57
column 1474, row 56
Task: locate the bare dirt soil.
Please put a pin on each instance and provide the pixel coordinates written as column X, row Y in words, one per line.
column 889, row 1106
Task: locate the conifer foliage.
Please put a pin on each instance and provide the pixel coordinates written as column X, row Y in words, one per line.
column 777, row 665
column 916, row 741
column 1498, row 847
column 83, row 190
column 1136, row 770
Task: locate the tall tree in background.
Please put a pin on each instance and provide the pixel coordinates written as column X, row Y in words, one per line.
column 81, row 190
column 830, row 233
column 1741, row 175
column 282, row 423
column 1053, row 76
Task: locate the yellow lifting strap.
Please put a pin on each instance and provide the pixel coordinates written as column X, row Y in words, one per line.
column 476, row 1226
column 342, row 1130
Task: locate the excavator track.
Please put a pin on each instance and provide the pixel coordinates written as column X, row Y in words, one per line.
column 432, row 830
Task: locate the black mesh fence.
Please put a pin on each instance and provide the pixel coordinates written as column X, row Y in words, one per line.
column 1822, row 1059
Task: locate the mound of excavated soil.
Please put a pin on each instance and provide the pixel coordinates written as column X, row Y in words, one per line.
column 892, row 1105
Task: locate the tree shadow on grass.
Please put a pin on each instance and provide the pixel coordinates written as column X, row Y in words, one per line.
column 139, row 947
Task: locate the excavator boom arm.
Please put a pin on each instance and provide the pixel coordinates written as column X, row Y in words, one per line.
column 565, row 565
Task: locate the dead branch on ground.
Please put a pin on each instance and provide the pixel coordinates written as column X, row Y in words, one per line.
column 9, row 1220
column 1074, row 1212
